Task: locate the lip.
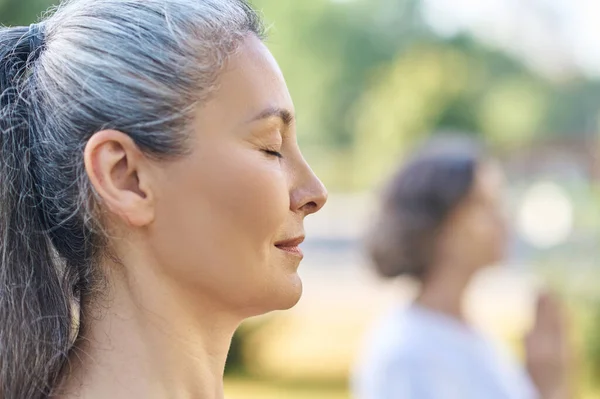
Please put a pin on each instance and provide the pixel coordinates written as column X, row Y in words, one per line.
column 291, row 246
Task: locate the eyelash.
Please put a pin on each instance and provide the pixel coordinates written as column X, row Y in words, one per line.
column 273, row 153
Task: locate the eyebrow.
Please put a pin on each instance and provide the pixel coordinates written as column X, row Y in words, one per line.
column 285, row 115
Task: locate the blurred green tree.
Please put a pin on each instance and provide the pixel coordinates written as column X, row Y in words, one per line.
column 22, row 12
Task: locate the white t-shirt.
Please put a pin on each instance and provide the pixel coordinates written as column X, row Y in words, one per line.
column 416, row 353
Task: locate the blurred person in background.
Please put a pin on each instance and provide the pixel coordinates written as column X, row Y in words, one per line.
column 153, row 197
column 441, row 221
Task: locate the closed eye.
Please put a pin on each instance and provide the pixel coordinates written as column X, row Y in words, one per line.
column 273, row 153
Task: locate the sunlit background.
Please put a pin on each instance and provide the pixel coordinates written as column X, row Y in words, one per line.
column 370, row 78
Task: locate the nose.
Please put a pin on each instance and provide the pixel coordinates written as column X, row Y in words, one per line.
column 309, row 194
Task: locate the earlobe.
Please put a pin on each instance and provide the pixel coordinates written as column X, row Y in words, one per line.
column 119, row 173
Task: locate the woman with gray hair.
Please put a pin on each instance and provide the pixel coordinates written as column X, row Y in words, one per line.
column 441, row 221
column 152, row 197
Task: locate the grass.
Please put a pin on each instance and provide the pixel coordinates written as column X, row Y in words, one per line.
column 241, row 388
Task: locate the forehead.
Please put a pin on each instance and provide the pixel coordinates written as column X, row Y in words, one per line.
column 489, row 181
column 251, row 81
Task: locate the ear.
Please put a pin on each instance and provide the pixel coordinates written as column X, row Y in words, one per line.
column 120, row 174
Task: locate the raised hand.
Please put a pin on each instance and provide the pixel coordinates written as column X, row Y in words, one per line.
column 547, row 349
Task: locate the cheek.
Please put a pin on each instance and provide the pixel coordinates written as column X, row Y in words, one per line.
column 248, row 193
column 489, row 233
column 219, row 213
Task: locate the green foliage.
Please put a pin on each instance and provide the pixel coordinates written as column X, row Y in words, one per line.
column 22, row 12
column 592, row 347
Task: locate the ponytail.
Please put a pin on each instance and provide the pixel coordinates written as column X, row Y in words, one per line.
column 35, row 311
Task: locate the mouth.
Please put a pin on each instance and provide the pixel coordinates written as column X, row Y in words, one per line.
column 291, row 246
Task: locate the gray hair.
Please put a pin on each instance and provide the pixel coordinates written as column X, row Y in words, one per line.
column 137, row 66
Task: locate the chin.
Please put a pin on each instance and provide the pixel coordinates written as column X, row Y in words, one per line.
column 292, row 298
column 283, row 297
column 286, row 295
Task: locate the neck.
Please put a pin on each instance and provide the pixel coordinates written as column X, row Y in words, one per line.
column 153, row 341
column 444, row 288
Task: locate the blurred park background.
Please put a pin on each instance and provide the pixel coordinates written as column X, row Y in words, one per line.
column 370, row 79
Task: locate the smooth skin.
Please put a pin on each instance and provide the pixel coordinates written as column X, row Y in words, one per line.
column 203, row 241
